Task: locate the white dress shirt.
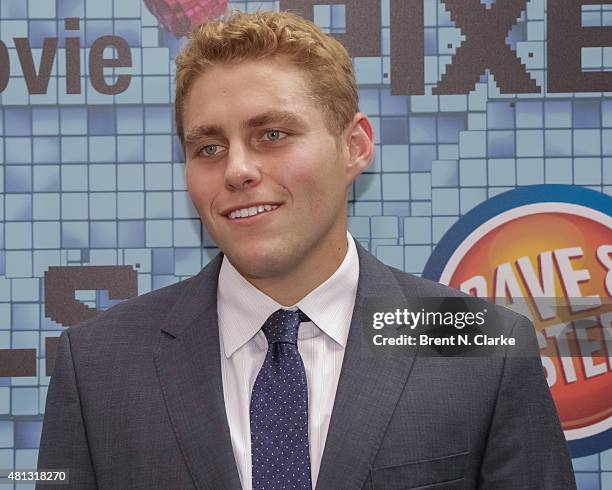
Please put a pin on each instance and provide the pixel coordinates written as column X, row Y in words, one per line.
column 242, row 311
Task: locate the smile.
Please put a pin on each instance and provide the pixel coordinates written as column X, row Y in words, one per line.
column 251, row 211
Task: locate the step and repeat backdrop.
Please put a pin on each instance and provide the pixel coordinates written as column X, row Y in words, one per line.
column 492, row 173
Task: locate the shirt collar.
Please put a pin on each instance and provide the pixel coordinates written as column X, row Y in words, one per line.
column 243, row 309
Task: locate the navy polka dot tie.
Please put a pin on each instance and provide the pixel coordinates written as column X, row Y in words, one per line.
column 279, row 409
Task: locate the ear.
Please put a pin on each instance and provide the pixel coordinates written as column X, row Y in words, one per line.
column 359, row 140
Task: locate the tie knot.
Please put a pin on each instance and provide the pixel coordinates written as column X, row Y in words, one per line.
column 282, row 326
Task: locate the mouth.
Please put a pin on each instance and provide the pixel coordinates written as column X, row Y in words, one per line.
column 251, row 212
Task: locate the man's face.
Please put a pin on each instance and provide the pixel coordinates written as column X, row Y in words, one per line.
column 255, row 140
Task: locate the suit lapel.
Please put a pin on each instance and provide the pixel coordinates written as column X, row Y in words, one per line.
column 368, row 390
column 189, row 369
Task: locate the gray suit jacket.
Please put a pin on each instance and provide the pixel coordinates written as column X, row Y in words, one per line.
column 136, row 402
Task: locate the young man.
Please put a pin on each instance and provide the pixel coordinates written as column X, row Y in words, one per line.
column 211, row 384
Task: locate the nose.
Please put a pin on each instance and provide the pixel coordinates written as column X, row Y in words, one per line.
column 242, row 170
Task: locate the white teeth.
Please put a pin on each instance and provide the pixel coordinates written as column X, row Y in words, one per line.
column 252, row 211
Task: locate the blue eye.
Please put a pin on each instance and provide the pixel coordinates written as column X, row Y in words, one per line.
column 209, row 149
column 275, row 134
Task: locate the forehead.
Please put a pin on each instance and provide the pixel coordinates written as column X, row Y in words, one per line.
column 239, row 91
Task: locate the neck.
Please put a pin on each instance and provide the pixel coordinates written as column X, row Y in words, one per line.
column 319, row 266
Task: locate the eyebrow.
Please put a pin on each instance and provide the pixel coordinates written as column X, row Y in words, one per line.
column 283, row 117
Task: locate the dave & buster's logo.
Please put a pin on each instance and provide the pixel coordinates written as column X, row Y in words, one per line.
column 546, row 251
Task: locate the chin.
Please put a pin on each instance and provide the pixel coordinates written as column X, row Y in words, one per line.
column 260, row 261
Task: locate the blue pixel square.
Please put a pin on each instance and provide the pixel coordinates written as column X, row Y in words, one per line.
column 390, row 105
column 131, row 234
column 187, row 261
column 415, row 257
column 75, row 234
column 395, row 158
column 558, row 142
column 7, row 433
column 587, row 171
column 449, row 128
column 158, row 233
column 529, row 114
column 186, row 232
column 25, row 289
column 18, row 207
column 101, row 120
column 384, row 227
column 18, row 178
column 130, row 120
column 471, row 197
column 46, row 178
column 45, row 121
column 529, row 171
column 13, row 9
column 17, row 122
column 472, row 144
column 420, row 185
column 500, row 115
column 158, row 204
column 130, row 177
column 26, row 316
column 46, row 206
column 473, row 172
column 46, row 149
column 102, row 205
column 17, row 150
column 445, row 201
column 396, row 186
column 183, row 208
column 102, row 178
column 417, row 230
column 73, row 120
column 587, row 114
column 46, row 234
column 422, row 129
column 502, row 171
column 24, row 401
column 368, row 188
column 74, row 206
column 17, row 236
column 158, row 119
column 368, row 70
column 445, row 173
column 421, row 157
column 158, row 176
column 156, row 89
column 103, row 234
column 529, row 143
column 558, row 170
column 74, row 149
column 368, row 102
column 359, row 226
column 102, row 149
column 394, row 131
column 558, row 114
column 130, row 205
column 587, row 142
column 500, row 144
column 130, row 148
column 158, row 148
column 128, row 29
column 27, row 433
column 163, row 260
column 74, row 178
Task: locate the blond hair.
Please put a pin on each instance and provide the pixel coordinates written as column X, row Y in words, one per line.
column 266, row 34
